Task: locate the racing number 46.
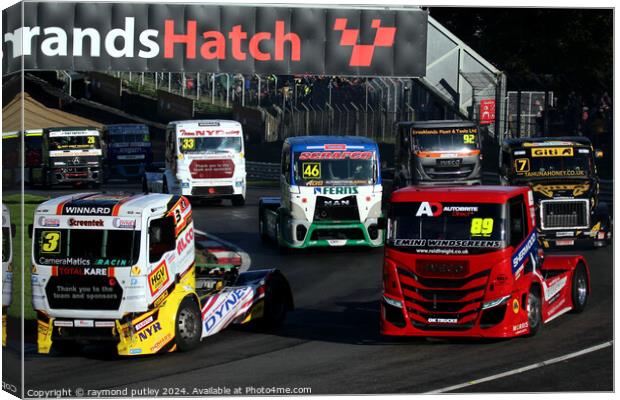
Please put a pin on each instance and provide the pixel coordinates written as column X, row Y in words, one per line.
column 311, row 170
column 50, row 242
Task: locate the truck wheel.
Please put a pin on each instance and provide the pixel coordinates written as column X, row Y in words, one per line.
column 238, row 201
column 579, row 289
column 534, row 311
column 188, row 325
column 275, row 304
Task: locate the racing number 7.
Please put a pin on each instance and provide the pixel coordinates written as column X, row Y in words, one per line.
column 522, row 164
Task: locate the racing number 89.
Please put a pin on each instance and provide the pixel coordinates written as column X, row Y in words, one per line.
column 469, row 139
column 311, row 170
column 481, row 226
column 50, row 242
column 188, row 144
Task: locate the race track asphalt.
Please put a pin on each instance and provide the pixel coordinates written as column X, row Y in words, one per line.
column 331, row 342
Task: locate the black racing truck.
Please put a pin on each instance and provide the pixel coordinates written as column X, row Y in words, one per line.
column 562, row 174
column 437, row 153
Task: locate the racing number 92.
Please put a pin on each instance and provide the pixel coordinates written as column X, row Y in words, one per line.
column 311, row 170
column 50, row 242
column 469, row 139
column 481, row 226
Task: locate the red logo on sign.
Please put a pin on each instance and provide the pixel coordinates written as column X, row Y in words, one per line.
column 361, row 55
column 487, row 112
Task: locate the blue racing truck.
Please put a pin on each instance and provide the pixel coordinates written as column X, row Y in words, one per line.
column 128, row 150
column 330, row 194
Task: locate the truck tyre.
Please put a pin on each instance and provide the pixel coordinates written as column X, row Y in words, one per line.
column 275, row 304
column 579, row 289
column 238, row 201
column 534, row 311
column 188, row 325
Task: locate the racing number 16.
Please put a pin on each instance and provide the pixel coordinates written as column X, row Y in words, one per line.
column 481, row 226
column 50, row 242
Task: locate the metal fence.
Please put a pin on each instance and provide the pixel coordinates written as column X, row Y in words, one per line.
column 524, row 113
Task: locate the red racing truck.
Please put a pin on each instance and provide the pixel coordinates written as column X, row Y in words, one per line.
column 465, row 261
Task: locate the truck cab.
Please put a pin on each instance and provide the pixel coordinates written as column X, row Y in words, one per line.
column 69, row 156
column 130, row 270
column 331, row 192
column 205, row 159
column 465, row 261
column 561, row 172
column 128, row 150
column 437, row 153
column 8, row 233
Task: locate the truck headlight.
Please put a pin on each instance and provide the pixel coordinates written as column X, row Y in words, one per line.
column 392, row 302
column 239, row 183
column 495, row 303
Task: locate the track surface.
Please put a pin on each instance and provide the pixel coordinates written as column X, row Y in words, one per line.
column 331, row 344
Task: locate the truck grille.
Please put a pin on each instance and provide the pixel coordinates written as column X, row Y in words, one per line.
column 344, row 209
column 563, row 214
column 448, row 173
column 450, row 300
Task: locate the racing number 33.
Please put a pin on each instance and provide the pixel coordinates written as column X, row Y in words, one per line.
column 311, row 170
column 50, row 242
column 188, row 144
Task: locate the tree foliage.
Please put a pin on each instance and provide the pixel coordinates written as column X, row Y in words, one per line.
column 540, row 48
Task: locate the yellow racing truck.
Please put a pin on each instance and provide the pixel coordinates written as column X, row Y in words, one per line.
column 131, row 270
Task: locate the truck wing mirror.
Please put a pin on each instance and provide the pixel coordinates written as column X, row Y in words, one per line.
column 598, row 153
column 382, row 223
column 30, row 230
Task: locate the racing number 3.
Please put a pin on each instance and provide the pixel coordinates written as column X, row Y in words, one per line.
column 311, row 170
column 51, row 242
column 481, row 226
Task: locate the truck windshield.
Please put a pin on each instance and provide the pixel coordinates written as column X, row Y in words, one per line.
column 210, row 144
column 578, row 165
column 129, row 138
column 442, row 142
column 334, row 172
column 73, row 142
column 6, row 244
column 446, row 228
column 86, row 247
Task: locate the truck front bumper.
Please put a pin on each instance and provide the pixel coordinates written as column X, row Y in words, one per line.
column 599, row 235
column 302, row 234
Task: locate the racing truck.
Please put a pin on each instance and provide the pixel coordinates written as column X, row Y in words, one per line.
column 331, row 192
column 63, row 156
column 131, row 271
column 8, row 233
column 465, row 261
column 204, row 160
column 128, row 150
column 437, row 153
column 561, row 171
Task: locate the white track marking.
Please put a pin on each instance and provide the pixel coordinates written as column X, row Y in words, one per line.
column 524, row 369
column 246, row 260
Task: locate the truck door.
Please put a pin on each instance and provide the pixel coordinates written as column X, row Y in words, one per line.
column 161, row 239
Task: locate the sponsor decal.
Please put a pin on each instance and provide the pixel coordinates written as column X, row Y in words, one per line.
column 554, row 288
column 135, row 351
column 87, row 223
column 135, row 270
column 220, row 313
column 445, row 131
column 336, row 242
column 315, row 182
column 84, row 323
column 548, row 190
column 336, row 190
column 515, row 306
column 124, row 223
column 565, row 234
column 158, row 278
column 184, row 241
column 208, row 132
column 528, row 247
column 443, row 320
column 149, row 331
column 114, row 262
column 337, row 203
column 86, row 210
column 161, row 342
column 426, row 209
column 336, row 155
column 569, row 172
column 49, row 222
column 565, row 242
column 138, row 326
column 61, row 270
column 73, row 133
column 496, row 244
column 83, row 262
column 520, row 327
column 552, row 152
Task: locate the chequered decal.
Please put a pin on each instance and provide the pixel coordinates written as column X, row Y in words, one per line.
column 361, row 56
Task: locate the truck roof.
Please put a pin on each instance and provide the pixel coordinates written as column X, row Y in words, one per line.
column 547, row 141
column 211, row 122
column 117, row 204
column 447, row 123
column 299, row 142
column 467, row 194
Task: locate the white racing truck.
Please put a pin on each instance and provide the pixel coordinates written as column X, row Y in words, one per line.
column 8, row 233
column 132, row 271
column 204, row 160
column 330, row 194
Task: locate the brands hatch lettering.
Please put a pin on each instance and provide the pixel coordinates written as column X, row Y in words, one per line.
column 336, row 190
column 529, row 246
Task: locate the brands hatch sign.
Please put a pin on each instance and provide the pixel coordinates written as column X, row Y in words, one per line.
column 211, row 38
